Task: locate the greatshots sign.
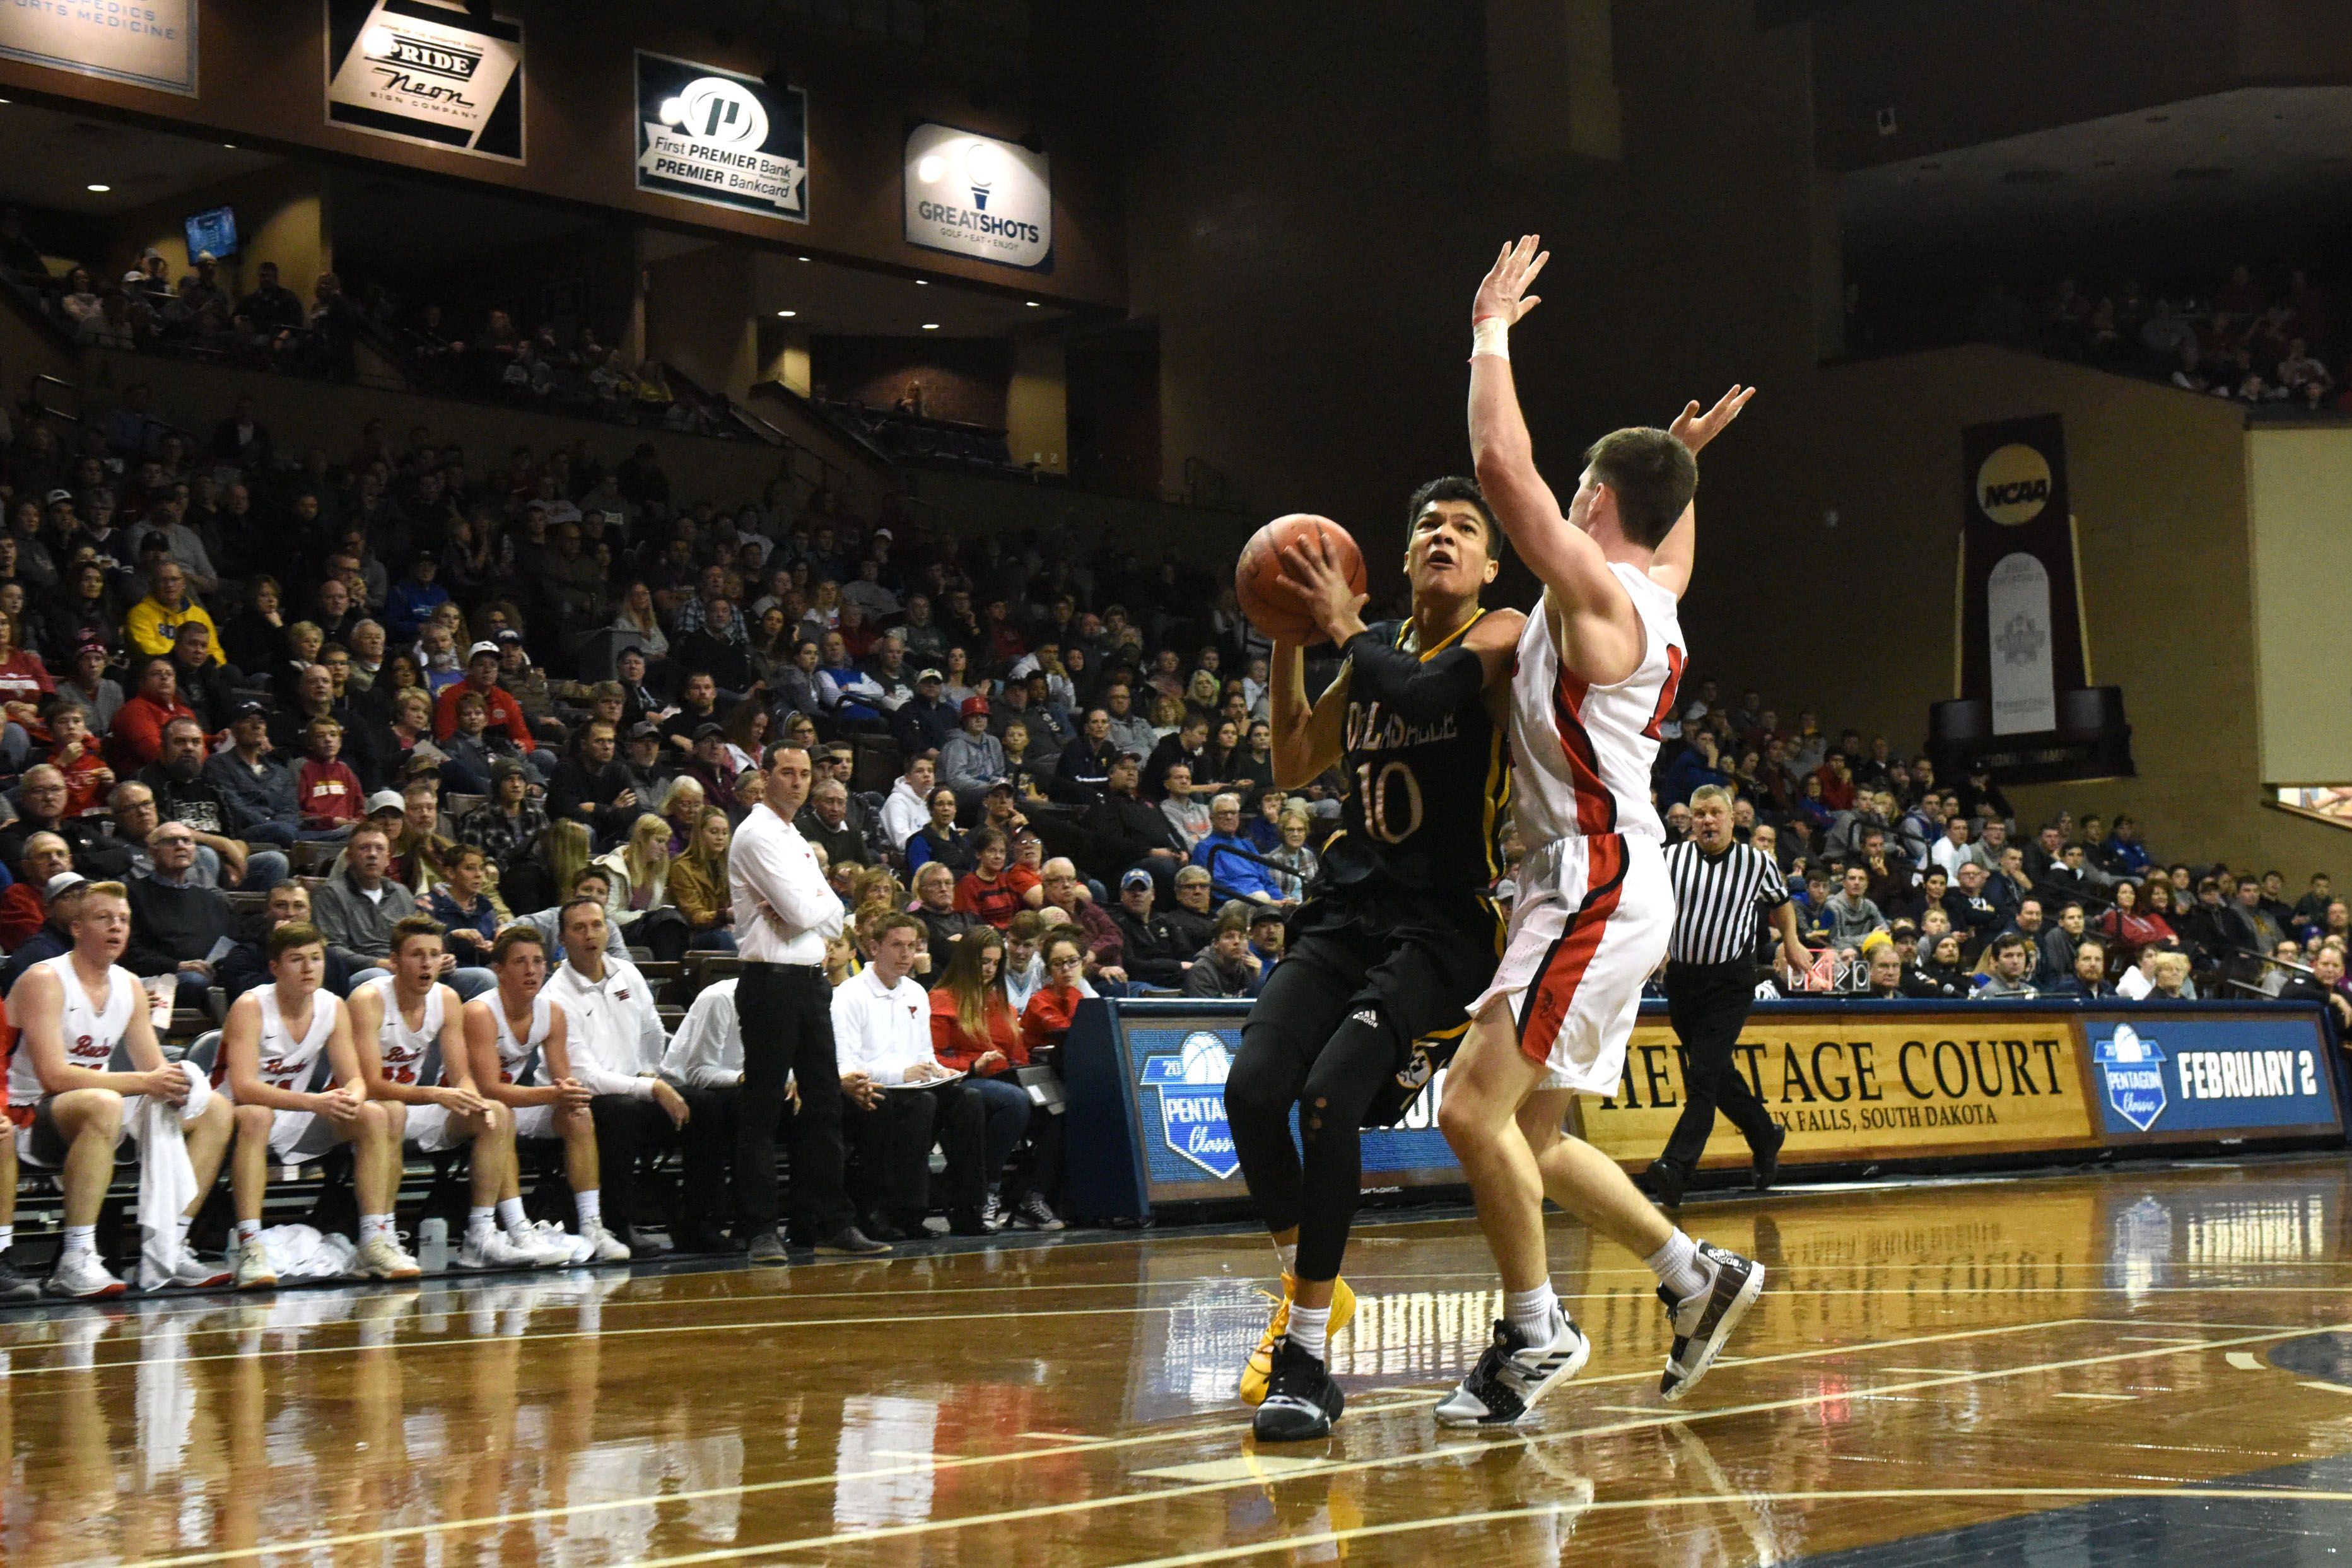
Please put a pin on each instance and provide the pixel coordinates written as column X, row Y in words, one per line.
column 428, row 72
column 711, row 135
column 147, row 43
column 973, row 196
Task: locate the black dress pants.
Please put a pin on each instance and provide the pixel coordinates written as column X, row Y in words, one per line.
column 1708, row 1005
column 890, row 1150
column 785, row 1014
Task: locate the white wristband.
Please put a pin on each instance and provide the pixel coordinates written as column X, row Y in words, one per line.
column 1491, row 336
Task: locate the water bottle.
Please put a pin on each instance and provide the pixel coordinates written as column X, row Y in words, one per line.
column 433, row 1245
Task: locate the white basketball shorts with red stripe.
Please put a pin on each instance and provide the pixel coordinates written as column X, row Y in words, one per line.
column 1590, row 923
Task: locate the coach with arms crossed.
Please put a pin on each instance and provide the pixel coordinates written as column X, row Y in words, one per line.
column 1720, row 887
column 784, row 912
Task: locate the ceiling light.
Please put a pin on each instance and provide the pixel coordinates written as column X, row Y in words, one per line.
column 1031, row 303
column 788, row 312
column 922, row 282
column 97, row 190
column 803, row 259
column 930, row 326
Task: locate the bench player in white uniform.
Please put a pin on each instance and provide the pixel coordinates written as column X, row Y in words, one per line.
column 515, row 1041
column 273, row 1043
column 408, row 1030
column 66, row 1101
column 1599, row 663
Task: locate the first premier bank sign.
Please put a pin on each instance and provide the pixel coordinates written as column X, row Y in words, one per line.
column 146, row 43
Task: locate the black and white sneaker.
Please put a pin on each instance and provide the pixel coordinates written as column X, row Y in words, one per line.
column 1510, row 1377
column 1301, row 1400
column 15, row 1287
column 1705, row 1319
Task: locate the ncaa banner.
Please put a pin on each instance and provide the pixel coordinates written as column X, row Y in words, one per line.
column 974, row 195
column 711, row 135
column 421, row 70
column 2021, row 613
column 146, row 43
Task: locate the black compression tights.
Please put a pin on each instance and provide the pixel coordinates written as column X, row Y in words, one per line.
column 1330, row 1079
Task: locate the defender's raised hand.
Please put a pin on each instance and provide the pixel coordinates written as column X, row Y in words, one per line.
column 1502, row 293
column 1695, row 429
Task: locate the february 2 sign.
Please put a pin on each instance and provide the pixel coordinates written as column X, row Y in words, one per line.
column 712, row 135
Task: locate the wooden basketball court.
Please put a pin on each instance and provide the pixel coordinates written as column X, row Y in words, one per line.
column 2152, row 1366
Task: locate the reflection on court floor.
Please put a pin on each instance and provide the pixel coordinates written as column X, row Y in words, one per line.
column 2151, row 1366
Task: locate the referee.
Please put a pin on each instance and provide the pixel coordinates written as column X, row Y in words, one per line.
column 1720, row 887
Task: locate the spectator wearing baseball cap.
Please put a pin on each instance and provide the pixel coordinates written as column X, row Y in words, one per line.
column 973, row 760
column 482, row 676
column 87, row 685
column 1154, row 957
column 926, row 720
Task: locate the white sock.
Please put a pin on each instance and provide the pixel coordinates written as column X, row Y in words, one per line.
column 1310, row 1329
column 478, row 1221
column 1530, row 1313
column 372, row 1225
column 7, row 1237
column 511, row 1214
column 79, row 1239
column 187, row 1220
column 591, row 1204
column 247, row 1230
column 1677, row 1266
column 1289, row 1253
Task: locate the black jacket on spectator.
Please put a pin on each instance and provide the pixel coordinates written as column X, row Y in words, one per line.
column 843, row 843
column 95, row 855
column 1153, row 956
column 944, row 929
column 726, row 662
column 574, row 785
column 171, row 925
column 1127, row 827
column 198, row 802
column 921, row 726
column 207, row 692
column 1189, row 931
column 1082, row 771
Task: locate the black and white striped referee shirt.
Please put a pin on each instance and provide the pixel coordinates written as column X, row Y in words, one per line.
column 1717, row 900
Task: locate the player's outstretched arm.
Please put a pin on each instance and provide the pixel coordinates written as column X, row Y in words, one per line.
column 1502, row 453
column 1677, row 553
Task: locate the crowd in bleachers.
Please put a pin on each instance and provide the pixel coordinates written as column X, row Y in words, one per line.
column 1883, row 858
column 263, row 690
column 2273, row 342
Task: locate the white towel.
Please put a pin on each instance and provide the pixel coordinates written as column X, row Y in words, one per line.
column 167, row 1178
column 302, row 1252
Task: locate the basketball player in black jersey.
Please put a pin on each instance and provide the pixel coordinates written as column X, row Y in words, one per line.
column 1396, row 936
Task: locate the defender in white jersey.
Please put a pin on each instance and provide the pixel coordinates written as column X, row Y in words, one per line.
column 1598, row 665
column 408, row 1031
column 286, row 1057
column 515, row 1040
column 85, row 1055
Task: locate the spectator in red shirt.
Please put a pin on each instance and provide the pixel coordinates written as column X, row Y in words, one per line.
column 76, row 755
column 1837, row 782
column 974, row 1030
column 24, row 678
column 1047, row 1017
column 26, row 905
column 1106, row 949
column 482, row 676
column 138, row 735
column 992, row 890
column 326, row 792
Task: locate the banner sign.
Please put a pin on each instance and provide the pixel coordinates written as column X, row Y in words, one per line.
column 712, row 135
column 2021, row 628
column 420, row 70
column 1177, row 1065
column 147, row 43
column 974, row 195
column 1849, row 1086
column 2194, row 1079
column 1864, row 1082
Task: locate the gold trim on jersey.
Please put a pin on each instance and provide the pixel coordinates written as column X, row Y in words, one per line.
column 1404, row 630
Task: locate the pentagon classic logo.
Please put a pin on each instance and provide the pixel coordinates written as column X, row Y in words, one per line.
column 1191, row 1086
column 2134, row 1070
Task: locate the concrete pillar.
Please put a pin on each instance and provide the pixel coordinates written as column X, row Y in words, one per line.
column 1037, row 404
column 699, row 317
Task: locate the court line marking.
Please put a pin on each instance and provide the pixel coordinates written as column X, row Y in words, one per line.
column 1575, row 1511
column 1223, row 1426
column 1049, row 1511
column 2330, row 1387
column 2126, row 1398
column 1057, row 1436
column 2244, row 1360
column 2161, row 1339
column 1931, row 1371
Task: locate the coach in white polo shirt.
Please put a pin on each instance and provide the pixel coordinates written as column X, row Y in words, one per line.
column 882, row 1039
column 783, row 912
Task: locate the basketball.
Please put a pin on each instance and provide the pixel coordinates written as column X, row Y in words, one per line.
column 1269, row 608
